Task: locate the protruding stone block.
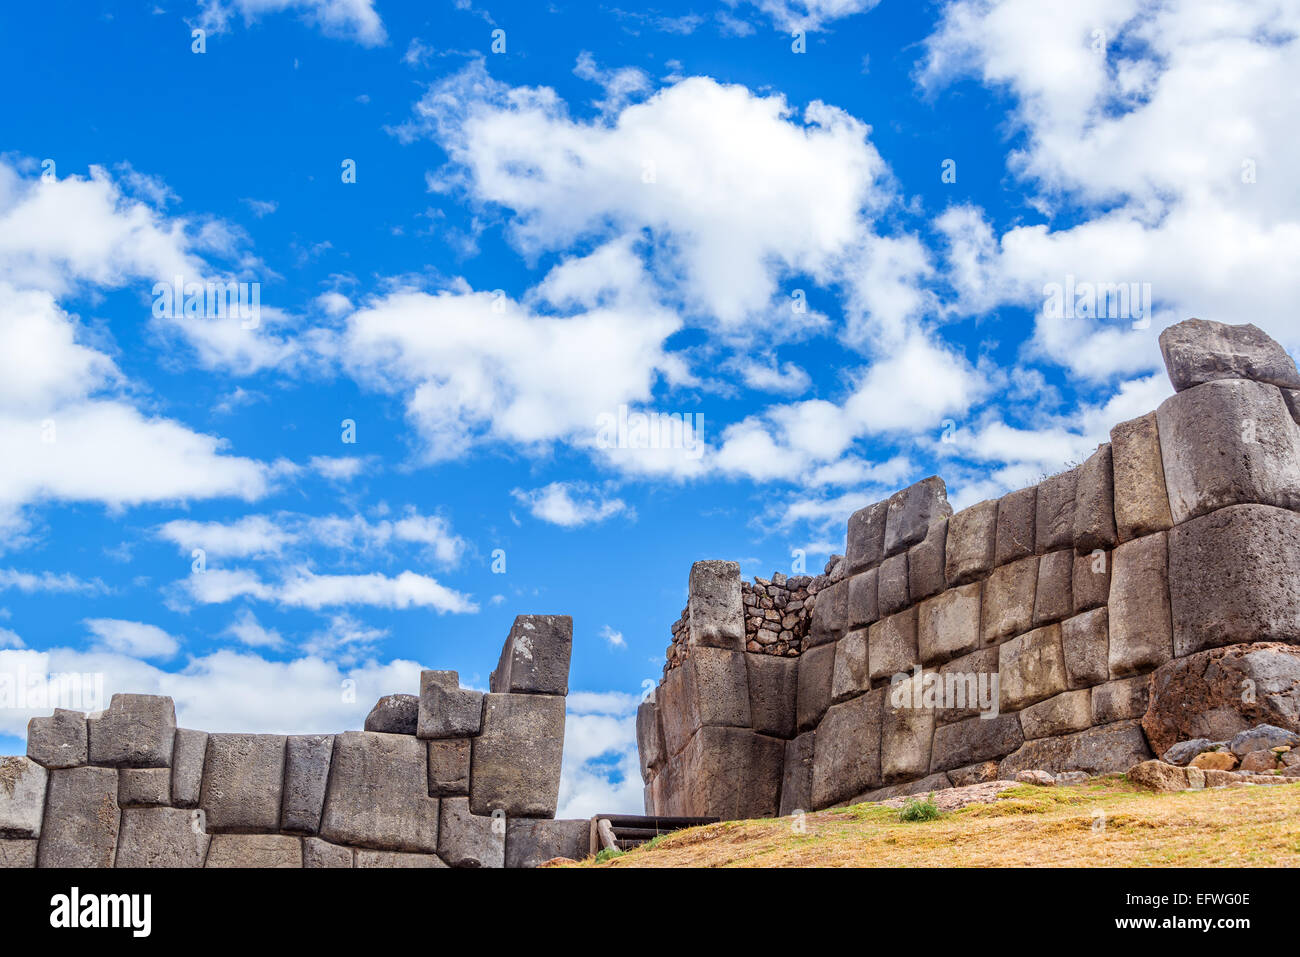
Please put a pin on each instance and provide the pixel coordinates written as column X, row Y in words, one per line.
column 1060, row 714
column 394, row 714
column 796, row 780
column 732, row 773
column 649, row 736
column 1201, row 350
column 449, row 767
column 1141, row 502
column 1141, row 630
column 720, row 682
column 906, row 728
column 970, row 686
column 816, row 678
column 866, row 537
column 515, row 766
column 911, row 512
column 1031, row 668
column 22, row 797
column 535, row 658
column 863, row 607
column 470, row 840
column 773, row 694
column 846, row 753
column 1090, row 583
column 925, row 563
column 58, row 741
column 851, row 675
column 255, row 850
column 242, row 779
column 1052, row 595
column 1007, row 607
column 318, row 854
column 188, row 753
column 1121, row 699
column 81, row 819
column 378, row 792
column 1054, row 516
column 893, row 584
column 144, row 787
column 1094, row 503
column 1015, row 533
column 306, row 773
column 974, row 740
column 948, row 625
column 715, row 612
column 446, row 709
column 160, row 837
column 891, row 645
column 1103, row 750
column 970, row 546
column 1085, row 646
column 531, row 841
column 830, row 615
column 1233, row 578
column 136, row 731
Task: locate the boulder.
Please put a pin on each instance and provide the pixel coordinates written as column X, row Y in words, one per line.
column 306, row 773
column 22, row 797
column 925, row 785
column 715, row 612
column 732, row 773
column 863, row 605
column 144, row 787
column 1037, row 778
column 1094, row 513
column 846, row 753
column 850, row 676
column 254, row 850
column 378, row 795
column 447, row 710
column 1054, row 512
column 1015, row 530
column 891, row 645
column 974, row 774
column 1008, row 601
column 974, row 741
column 1072, row 777
column 1052, row 598
column 796, row 778
column 1031, row 668
column 773, row 694
column 530, row 841
column 137, row 731
column 892, row 584
column 1085, row 647
column 1140, row 625
column 394, row 714
column 515, row 762
column 449, row 767
column 1060, row 714
column 866, row 537
column 161, row 837
column 948, row 625
column 535, row 657
column 81, row 819
column 1263, row 737
column 925, row 563
column 910, row 513
column 1259, row 762
column 320, row 854
column 1214, row 761
column 1158, row 776
column 59, row 741
column 242, row 779
column 1201, row 350
column 470, row 840
column 1104, row 750
column 1182, row 753
column 970, row 543
column 188, row 752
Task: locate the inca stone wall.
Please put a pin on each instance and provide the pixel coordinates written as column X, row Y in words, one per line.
column 449, row 778
column 1149, row 596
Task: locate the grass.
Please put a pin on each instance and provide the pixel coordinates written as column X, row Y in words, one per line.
column 1106, row 822
column 914, row 809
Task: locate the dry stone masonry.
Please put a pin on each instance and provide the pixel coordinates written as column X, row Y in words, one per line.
column 1147, row 597
column 449, row 778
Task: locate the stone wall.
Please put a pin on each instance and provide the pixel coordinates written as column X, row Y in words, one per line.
column 1147, row 596
column 449, row 778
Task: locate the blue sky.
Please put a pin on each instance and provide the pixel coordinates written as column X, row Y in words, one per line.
column 824, row 232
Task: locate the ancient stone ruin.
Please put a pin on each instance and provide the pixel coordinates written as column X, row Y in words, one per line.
column 453, row 777
column 1148, row 597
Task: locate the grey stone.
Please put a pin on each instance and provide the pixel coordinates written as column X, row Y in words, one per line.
column 1090, row 583
column 446, row 709
column 378, row 793
column 715, row 613
column 161, row 837
column 1052, row 596
column 720, row 682
column 306, row 773
column 846, row 753
column 136, row 731
column 1255, row 443
column 1292, row 399
column 254, row 850
column 1232, row 578
column 17, row 852
column 1072, row 777
column 649, row 738
column 1141, row 502
column 81, row 819
column 1182, row 753
column 470, row 840
column 58, row 741
column 911, row 512
column 1064, row 713
column 319, row 854
column 449, row 767
column 866, row 537
column 905, row 732
column 796, row 779
column 732, row 773
column 892, row 584
column 974, row 740
column 1263, row 737
column 389, row 859
column 891, row 645
column 1015, row 534
column 830, row 615
column 931, row 782
column 188, row 754
column 1094, row 503
column 773, row 694
column 970, row 544
column 530, row 841
column 1201, row 350
column 22, row 797
column 675, row 702
column 515, row 765
column 1141, row 629
column 1121, row 699
column 1107, row 749
column 948, row 625
column 535, row 658
column 816, row 679
column 1085, row 646
column 1054, row 517
column 863, row 607
column 1031, row 668
column 1007, row 606
column 925, row 563
column 1037, row 778
column 394, row 714
column 243, row 776
column 970, row 685
column 144, row 787
column 974, row 774
column 851, row 675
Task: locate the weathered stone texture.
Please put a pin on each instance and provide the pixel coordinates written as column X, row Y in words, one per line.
column 81, row 819
column 394, row 859
column 446, row 709
column 242, row 780
column 732, row 773
column 892, row 585
column 1090, row 583
column 470, row 840
column 306, row 772
column 846, row 754
column 378, row 794
column 1015, row 531
column 905, row 732
column 948, row 625
column 830, row 615
column 449, row 767
column 22, row 796
column 1141, row 502
column 1201, row 350
column 891, row 645
column 531, row 841
column 773, row 694
column 144, row 787
column 535, row 658
column 796, row 779
column 816, row 674
column 59, row 741
column 1102, row 750
column 1054, row 511
column 863, row 606
column 394, row 714
column 866, row 537
column 717, row 616
column 255, row 850
column 851, row 675
column 1053, row 598
column 1031, row 668
column 1121, row 699
column 1008, row 602
column 1064, row 713
column 975, row 740
column 925, row 563
column 188, row 753
column 1141, row 629
column 970, row 545
column 320, row 854
column 515, row 765
column 136, row 731
column 1094, row 503
column 1085, row 647
column 649, row 739
column 912, row 511
column 17, row 852
column 161, row 837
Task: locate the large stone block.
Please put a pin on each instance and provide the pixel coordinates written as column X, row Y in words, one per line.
column 446, row 709
column 866, row 537
column 1085, row 647
column 449, row 767
column 188, row 752
column 58, row 741
column 891, row 645
column 144, row 787
column 970, row 545
column 1121, row 699
column 969, row 686
column 1007, row 606
column 1090, row 582
column 1104, row 750
column 773, row 694
column 830, row 615
column 816, row 680
column 846, row 753
column 863, row 607
column 675, row 699
column 161, row 837
column 1054, row 514
column 535, row 658
column 911, row 512
column 81, row 820
column 650, row 737
column 906, row 727
column 17, row 853
column 1218, row 692
column 892, row 584
column 1228, row 442
column 1060, row 714
column 931, row 782
column 322, row 854
column 668, row 789
column 1094, row 503
column 394, row 714
column 306, row 772
column 1052, row 595
column 470, row 840
column 530, row 841
column 378, row 792
column 1015, row 535
column 1141, row 629
column 796, row 778
column 732, row 773
column 715, row 612
column 1233, row 578
column 136, row 731
column 255, row 850
column 1141, row 502
column 515, row 765
column 948, row 625
column 1201, row 350
column 1031, row 668
column 720, row 681
column 925, row 563
column 396, row 859
column 974, row 740
column 851, row 675
column 22, row 797
column 243, row 776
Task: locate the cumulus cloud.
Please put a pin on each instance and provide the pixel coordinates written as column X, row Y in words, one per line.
column 600, row 772
column 570, row 504
column 355, row 20
column 134, row 638
column 304, row 589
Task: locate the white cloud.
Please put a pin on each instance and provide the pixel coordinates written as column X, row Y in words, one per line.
column 250, row 535
column 613, row 638
column 48, row 582
column 133, row 638
column 601, row 772
column 305, row 589
column 354, row 20
column 570, row 504
column 248, row 630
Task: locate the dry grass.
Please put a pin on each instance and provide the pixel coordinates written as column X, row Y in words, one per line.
column 1028, row 826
